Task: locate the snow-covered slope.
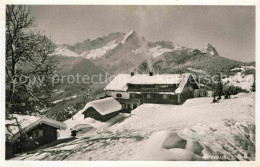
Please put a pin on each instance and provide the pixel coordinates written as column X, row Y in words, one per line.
column 127, row 36
column 67, row 98
column 197, row 130
column 97, row 53
column 240, row 79
column 243, row 68
column 219, row 141
column 64, row 51
column 154, row 51
column 158, row 51
column 197, row 70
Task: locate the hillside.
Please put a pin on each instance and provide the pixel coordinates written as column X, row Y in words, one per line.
column 71, row 90
column 74, row 65
column 196, row 130
column 184, row 61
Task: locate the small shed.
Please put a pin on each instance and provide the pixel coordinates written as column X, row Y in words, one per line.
column 38, row 131
column 102, row 109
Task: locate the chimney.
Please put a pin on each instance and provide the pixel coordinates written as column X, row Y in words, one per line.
column 132, row 74
column 151, row 73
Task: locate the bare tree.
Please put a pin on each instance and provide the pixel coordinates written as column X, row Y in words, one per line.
column 26, row 57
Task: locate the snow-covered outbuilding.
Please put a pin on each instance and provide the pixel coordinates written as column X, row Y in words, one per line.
column 135, row 89
column 102, row 109
column 30, row 132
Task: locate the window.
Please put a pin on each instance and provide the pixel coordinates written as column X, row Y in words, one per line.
column 40, row 133
column 165, row 97
column 164, row 86
column 149, row 96
column 118, row 95
column 37, row 133
column 132, row 95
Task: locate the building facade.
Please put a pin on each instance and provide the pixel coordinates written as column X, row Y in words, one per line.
column 134, row 90
column 33, row 132
column 38, row 136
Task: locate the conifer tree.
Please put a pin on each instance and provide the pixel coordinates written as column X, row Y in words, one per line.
column 218, row 87
column 253, row 86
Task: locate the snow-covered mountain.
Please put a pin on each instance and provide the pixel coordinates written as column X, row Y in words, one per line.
column 153, row 49
column 64, row 51
column 97, row 53
column 124, row 52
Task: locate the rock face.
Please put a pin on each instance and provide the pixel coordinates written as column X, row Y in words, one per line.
column 132, row 35
column 209, row 49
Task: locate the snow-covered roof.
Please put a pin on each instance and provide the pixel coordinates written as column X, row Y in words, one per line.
column 119, row 83
column 145, row 79
column 28, row 122
column 104, row 106
column 183, row 82
column 81, row 126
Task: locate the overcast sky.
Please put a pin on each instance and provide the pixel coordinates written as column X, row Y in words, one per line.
column 231, row 30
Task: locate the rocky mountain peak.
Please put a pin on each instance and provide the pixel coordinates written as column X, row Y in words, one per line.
column 209, row 49
column 130, row 35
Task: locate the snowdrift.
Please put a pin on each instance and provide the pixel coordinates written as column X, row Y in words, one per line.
column 227, row 140
column 197, row 130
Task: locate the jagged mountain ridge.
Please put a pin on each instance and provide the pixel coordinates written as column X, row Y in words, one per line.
column 123, row 52
column 88, row 44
